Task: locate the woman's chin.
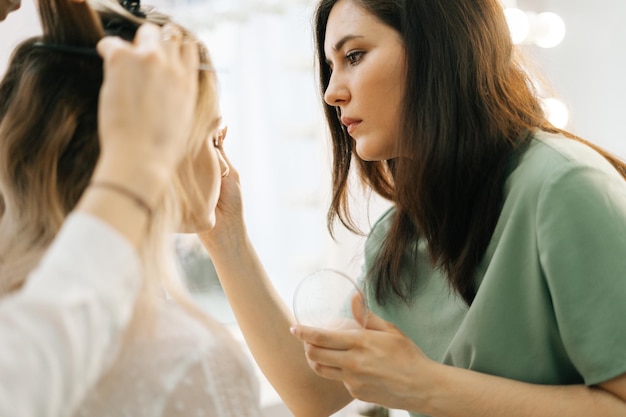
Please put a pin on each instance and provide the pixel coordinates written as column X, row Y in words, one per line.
column 373, row 153
column 368, row 156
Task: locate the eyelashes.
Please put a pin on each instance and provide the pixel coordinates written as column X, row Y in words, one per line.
column 354, row 57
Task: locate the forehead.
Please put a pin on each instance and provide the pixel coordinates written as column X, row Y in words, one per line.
column 347, row 18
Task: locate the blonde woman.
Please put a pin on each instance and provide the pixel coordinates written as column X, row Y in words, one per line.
column 92, row 300
column 174, row 360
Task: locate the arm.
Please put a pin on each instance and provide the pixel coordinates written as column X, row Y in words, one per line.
column 61, row 329
column 65, row 324
column 581, row 224
column 465, row 393
column 381, row 365
column 262, row 316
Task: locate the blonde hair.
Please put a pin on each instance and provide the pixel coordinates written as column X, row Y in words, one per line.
column 49, row 141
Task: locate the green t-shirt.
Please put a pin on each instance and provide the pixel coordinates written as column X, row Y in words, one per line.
column 551, row 302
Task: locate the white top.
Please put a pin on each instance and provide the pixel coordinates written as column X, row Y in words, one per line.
column 63, row 328
column 173, row 365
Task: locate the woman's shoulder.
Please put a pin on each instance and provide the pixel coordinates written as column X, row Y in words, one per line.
column 553, row 151
column 553, row 157
column 385, row 219
column 379, row 229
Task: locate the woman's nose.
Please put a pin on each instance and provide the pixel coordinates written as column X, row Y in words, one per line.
column 337, row 92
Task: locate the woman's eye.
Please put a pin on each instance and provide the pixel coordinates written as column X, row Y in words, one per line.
column 354, row 57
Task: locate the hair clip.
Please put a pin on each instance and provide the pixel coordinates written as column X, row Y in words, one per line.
column 133, row 6
column 85, row 50
column 80, row 50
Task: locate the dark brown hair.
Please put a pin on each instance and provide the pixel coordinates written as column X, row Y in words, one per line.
column 469, row 110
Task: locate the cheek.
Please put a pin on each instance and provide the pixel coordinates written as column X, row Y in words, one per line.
column 391, row 110
column 201, row 182
column 209, row 175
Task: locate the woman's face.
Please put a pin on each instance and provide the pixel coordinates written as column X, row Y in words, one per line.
column 208, row 167
column 367, row 59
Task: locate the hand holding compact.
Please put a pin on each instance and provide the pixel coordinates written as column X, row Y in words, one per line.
column 376, row 362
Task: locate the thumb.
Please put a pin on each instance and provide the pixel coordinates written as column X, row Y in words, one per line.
column 365, row 317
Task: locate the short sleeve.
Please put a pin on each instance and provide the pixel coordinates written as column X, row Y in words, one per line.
column 581, row 232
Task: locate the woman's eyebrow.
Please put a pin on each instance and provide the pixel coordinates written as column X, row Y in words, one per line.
column 345, row 39
column 342, row 42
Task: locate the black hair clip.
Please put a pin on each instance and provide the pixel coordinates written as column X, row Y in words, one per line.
column 85, row 50
column 133, row 6
column 80, row 50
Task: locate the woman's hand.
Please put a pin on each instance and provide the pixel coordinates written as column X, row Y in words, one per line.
column 147, row 105
column 377, row 364
column 229, row 223
column 146, row 109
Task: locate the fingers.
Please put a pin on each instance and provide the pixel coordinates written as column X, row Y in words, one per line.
column 110, row 45
column 365, row 317
column 327, row 339
column 359, row 309
column 228, row 171
column 174, row 43
column 320, row 368
column 149, row 94
column 171, row 41
column 149, row 37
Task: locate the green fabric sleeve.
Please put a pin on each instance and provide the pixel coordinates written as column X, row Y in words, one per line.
column 581, row 234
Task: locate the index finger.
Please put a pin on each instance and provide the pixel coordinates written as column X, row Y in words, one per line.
column 109, row 45
column 148, row 37
column 327, row 339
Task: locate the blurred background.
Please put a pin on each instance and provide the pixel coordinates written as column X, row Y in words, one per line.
column 263, row 52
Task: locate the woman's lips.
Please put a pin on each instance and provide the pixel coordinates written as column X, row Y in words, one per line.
column 350, row 124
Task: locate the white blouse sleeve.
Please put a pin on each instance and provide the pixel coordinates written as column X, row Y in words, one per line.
column 62, row 330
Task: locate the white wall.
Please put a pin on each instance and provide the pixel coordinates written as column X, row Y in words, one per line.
column 588, row 68
column 17, row 26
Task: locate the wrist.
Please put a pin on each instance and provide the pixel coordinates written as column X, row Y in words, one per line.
column 432, row 388
column 147, row 181
column 117, row 210
column 232, row 239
